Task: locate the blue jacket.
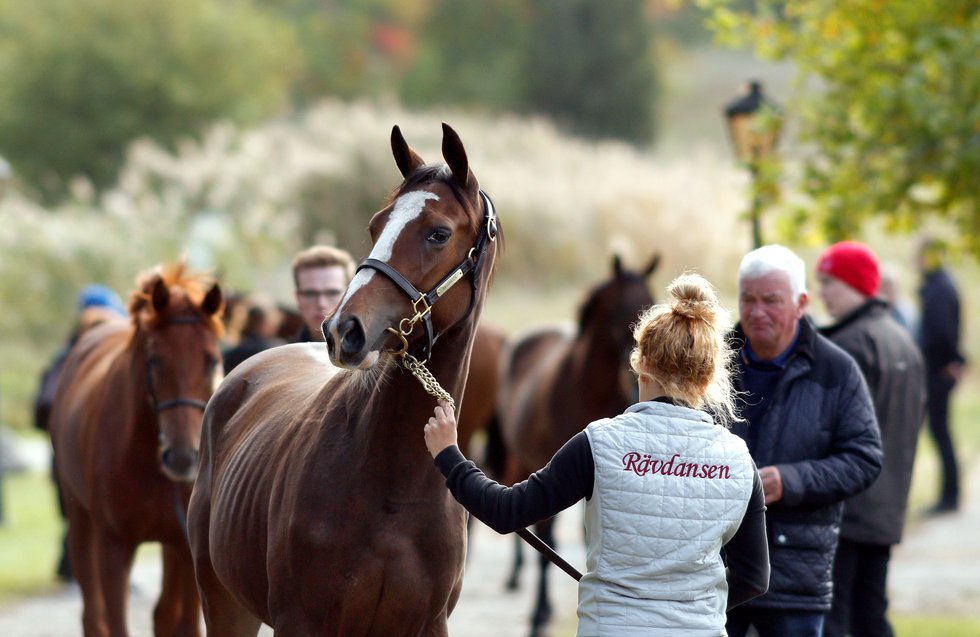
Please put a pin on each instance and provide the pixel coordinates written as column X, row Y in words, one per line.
column 819, row 430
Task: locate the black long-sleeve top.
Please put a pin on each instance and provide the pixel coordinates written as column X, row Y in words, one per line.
column 570, row 477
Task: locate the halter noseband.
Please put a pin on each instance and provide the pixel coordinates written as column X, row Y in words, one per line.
column 174, row 402
column 422, row 303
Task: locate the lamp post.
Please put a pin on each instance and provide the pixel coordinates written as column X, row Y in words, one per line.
column 754, row 123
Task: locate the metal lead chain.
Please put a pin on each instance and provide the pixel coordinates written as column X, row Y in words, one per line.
column 424, row 376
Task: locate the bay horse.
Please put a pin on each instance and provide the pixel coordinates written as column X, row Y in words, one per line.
column 477, row 423
column 556, row 381
column 126, row 428
column 318, row 510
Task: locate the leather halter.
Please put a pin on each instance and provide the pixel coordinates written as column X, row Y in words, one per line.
column 180, row 401
column 422, row 303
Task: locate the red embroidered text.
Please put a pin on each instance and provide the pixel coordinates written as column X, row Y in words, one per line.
column 643, row 463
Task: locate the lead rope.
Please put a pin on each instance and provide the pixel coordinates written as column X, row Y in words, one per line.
column 425, row 377
column 433, row 388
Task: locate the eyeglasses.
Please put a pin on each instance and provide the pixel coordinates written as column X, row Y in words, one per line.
column 313, row 294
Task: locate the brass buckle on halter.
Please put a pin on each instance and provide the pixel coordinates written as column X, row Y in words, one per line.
column 419, row 315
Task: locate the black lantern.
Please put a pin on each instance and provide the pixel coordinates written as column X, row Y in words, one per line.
column 754, row 123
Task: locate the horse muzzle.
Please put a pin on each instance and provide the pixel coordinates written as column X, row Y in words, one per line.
column 179, row 464
column 347, row 344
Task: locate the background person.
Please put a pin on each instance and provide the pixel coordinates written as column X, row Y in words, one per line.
column 939, row 338
column 258, row 333
column 901, row 310
column 320, row 274
column 665, row 486
column 810, row 428
column 848, row 274
column 96, row 304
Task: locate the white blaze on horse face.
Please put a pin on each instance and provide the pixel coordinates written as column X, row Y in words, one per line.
column 407, row 208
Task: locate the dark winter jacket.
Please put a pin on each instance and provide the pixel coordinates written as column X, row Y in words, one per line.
column 893, row 368
column 819, row 430
column 939, row 330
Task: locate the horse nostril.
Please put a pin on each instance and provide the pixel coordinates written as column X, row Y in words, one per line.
column 179, row 462
column 331, row 347
column 351, row 336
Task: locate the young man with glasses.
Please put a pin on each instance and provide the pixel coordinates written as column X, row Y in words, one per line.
column 321, row 274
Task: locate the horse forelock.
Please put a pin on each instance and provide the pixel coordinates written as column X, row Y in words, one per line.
column 187, row 291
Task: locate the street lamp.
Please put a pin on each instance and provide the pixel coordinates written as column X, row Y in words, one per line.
column 754, row 122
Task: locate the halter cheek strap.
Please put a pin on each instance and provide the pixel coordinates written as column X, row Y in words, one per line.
column 422, row 303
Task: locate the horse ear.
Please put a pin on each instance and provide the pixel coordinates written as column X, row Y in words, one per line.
column 617, row 265
column 407, row 159
column 159, row 295
column 652, row 266
column 212, row 300
column 455, row 156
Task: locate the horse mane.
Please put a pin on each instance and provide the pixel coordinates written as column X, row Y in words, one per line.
column 192, row 286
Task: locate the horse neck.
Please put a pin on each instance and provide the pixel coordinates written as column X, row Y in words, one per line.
column 590, row 354
column 398, row 443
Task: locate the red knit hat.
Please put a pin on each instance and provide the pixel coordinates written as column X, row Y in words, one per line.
column 853, row 263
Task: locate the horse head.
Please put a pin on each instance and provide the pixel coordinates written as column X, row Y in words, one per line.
column 434, row 245
column 613, row 307
column 177, row 317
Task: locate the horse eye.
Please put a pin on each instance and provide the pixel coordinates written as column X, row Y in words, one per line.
column 440, row 236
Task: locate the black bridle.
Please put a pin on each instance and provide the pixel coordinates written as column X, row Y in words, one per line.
column 422, row 303
column 173, row 402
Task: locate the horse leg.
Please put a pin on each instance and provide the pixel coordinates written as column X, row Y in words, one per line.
column 513, row 580
column 115, row 561
column 178, row 611
column 542, row 609
column 223, row 615
column 85, row 569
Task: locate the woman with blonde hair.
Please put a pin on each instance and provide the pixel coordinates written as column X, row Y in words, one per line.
column 666, row 486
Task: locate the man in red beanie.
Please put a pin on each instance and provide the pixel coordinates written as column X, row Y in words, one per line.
column 849, row 275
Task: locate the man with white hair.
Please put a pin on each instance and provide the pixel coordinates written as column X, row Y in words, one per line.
column 810, row 426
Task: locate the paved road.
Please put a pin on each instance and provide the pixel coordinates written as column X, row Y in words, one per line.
column 936, row 568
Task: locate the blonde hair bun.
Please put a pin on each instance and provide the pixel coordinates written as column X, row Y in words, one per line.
column 681, row 344
column 691, row 296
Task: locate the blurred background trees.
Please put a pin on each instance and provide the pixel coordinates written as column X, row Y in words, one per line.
column 84, row 78
column 888, row 107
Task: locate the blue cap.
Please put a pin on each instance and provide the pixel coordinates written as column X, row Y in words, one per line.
column 97, row 295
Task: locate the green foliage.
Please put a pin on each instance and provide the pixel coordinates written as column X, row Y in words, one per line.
column 892, row 122
column 590, row 66
column 470, row 53
column 83, row 78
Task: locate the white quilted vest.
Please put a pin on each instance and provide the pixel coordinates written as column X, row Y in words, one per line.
column 671, row 487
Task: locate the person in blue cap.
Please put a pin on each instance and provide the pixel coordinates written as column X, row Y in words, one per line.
column 98, row 295
column 96, row 304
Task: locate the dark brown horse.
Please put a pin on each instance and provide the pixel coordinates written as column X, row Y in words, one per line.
column 318, row 510
column 126, row 428
column 556, row 382
column 478, row 431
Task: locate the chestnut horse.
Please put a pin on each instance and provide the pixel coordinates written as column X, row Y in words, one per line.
column 126, row 427
column 556, row 382
column 318, row 510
